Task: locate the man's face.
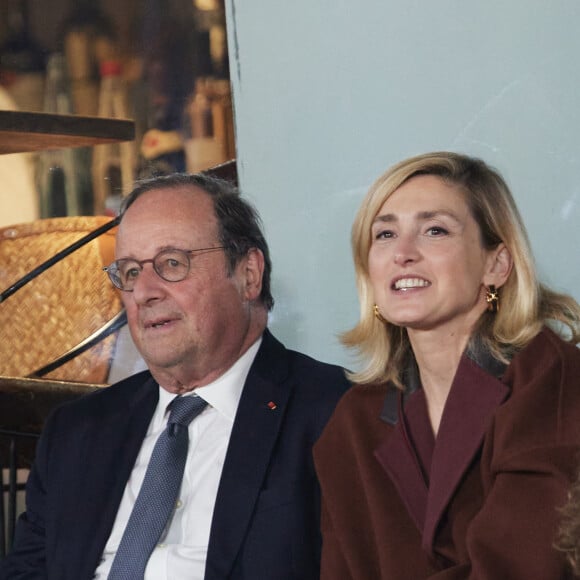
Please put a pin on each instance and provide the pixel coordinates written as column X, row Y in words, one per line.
column 193, row 329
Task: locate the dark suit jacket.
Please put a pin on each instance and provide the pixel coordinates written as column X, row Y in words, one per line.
column 479, row 501
column 266, row 518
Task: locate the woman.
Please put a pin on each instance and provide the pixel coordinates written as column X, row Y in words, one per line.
column 449, row 458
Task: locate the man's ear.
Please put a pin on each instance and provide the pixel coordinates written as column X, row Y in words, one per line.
column 499, row 266
column 252, row 272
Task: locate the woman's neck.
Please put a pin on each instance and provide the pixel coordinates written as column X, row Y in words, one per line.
column 437, row 358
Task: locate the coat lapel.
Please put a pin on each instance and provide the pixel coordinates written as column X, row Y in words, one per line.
column 474, row 396
column 258, row 421
column 398, row 459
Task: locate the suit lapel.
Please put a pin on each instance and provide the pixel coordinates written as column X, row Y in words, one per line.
column 258, row 420
column 472, row 400
column 112, row 443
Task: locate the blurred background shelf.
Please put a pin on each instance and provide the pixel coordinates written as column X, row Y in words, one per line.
column 26, row 131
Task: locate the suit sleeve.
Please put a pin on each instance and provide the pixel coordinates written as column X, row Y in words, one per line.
column 27, row 558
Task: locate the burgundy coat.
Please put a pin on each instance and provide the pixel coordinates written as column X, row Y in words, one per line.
column 480, row 501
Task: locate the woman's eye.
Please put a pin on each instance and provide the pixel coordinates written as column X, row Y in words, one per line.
column 383, row 234
column 436, row 231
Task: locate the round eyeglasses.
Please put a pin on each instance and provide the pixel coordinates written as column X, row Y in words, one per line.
column 171, row 265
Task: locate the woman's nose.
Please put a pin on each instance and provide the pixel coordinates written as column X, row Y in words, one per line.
column 406, row 250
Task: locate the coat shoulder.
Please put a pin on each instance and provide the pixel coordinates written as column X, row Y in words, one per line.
column 547, row 362
column 543, row 408
column 356, row 422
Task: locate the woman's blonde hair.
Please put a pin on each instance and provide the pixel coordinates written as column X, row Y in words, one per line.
column 526, row 305
column 568, row 538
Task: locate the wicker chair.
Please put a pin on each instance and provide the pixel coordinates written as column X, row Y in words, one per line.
column 49, row 316
column 61, row 307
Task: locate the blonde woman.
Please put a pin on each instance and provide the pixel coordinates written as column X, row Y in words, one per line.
column 449, row 458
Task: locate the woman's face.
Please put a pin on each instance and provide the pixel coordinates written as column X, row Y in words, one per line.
column 427, row 265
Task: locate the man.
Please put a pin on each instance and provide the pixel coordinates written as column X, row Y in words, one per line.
column 194, row 272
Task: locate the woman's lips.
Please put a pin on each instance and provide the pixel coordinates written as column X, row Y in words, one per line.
column 409, row 282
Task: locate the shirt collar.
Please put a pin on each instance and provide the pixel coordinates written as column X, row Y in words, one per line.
column 224, row 393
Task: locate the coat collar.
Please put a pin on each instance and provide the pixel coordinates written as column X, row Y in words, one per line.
column 258, row 421
column 412, row 381
column 475, row 394
column 395, row 398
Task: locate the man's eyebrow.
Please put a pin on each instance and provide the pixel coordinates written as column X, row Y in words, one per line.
column 158, row 251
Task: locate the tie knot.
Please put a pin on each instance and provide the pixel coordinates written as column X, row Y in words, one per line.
column 183, row 410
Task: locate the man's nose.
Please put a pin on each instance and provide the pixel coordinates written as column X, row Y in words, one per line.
column 148, row 285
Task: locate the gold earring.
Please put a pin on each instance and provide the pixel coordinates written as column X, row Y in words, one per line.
column 492, row 298
column 378, row 314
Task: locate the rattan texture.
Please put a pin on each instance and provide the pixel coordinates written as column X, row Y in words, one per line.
column 61, row 307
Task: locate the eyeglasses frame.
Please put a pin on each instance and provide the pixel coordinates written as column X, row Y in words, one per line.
column 112, row 268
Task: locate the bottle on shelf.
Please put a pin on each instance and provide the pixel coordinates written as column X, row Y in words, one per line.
column 57, row 173
column 168, row 29
column 210, row 19
column 89, row 38
column 208, row 117
column 113, row 164
column 208, row 125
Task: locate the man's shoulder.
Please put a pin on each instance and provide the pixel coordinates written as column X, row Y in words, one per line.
column 303, row 370
column 110, row 396
column 316, row 368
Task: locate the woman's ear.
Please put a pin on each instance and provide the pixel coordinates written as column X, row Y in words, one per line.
column 499, row 266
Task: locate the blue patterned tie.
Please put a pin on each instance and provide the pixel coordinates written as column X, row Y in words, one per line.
column 156, row 501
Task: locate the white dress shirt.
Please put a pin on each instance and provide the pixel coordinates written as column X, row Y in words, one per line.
column 182, row 553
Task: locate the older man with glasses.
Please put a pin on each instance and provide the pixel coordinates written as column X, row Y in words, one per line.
column 199, row 467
